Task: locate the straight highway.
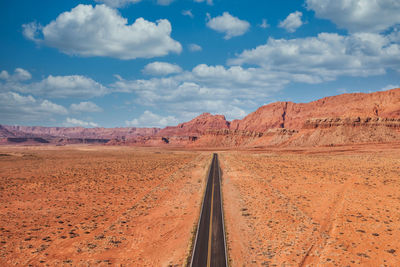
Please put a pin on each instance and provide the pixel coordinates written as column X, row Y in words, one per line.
column 210, row 248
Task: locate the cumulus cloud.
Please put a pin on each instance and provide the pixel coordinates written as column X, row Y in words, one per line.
column 292, row 22
column 188, row 13
column 164, row 2
column 149, row 119
column 75, row 86
column 229, row 25
column 18, row 75
column 101, row 31
column 325, row 57
column 214, row 89
column 32, row 30
column 394, row 36
column 161, row 68
column 85, row 106
column 264, row 24
column 15, row 107
column 209, row 2
column 67, row 86
column 253, row 76
column 358, row 15
column 123, row 3
column 4, row 75
column 118, row 3
column 195, row 48
column 70, row 122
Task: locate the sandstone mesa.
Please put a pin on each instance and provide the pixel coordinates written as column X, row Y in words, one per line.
column 336, row 120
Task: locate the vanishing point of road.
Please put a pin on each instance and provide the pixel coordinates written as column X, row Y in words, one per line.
column 209, row 247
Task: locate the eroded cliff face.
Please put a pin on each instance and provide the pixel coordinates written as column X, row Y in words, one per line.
column 80, row 132
column 314, row 132
column 292, row 115
column 4, row 133
column 337, row 120
column 198, row 126
column 342, row 119
column 351, row 122
column 180, row 135
column 342, row 131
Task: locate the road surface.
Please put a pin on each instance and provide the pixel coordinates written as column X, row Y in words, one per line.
column 209, row 248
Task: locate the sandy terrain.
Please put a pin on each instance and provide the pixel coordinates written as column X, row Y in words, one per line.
column 88, row 205
column 98, row 206
column 316, row 207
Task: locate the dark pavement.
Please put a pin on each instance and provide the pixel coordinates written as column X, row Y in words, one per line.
column 209, row 248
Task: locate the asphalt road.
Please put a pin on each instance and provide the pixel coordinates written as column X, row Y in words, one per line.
column 209, row 247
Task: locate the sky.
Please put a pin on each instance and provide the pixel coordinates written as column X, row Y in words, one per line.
column 154, row 63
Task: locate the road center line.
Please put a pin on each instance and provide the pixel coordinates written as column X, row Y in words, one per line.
column 210, row 229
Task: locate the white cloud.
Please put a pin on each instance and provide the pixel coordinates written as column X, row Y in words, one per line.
column 19, row 75
column 231, row 26
column 256, row 74
column 49, row 106
column 123, row 3
column 101, row 31
column 161, row 68
column 214, row 89
column 358, row 15
column 16, row 108
column 325, row 57
column 164, row 2
column 209, row 2
column 394, row 36
column 53, row 86
column 4, row 75
column 149, row 119
column 188, row 13
column 85, row 106
column 195, row 48
column 67, row 86
column 118, row 3
column 70, row 122
column 292, row 22
column 264, row 24
column 31, row 30
column 390, row 86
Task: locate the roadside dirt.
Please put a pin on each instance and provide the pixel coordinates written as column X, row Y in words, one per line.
column 338, row 207
column 88, row 205
column 98, row 206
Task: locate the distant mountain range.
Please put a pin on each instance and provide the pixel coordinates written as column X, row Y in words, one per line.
column 336, row 120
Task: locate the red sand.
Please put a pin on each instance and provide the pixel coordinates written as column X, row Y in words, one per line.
column 98, row 206
column 314, row 207
column 87, row 205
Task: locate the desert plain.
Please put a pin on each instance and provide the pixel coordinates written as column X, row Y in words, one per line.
column 97, row 206
column 83, row 205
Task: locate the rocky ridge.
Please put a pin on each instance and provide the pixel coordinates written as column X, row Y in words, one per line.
column 342, row 119
column 384, row 104
column 81, row 132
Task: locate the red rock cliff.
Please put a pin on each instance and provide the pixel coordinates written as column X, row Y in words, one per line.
column 196, row 127
column 292, row 115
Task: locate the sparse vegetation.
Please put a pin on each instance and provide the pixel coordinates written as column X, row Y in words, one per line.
column 319, row 206
column 84, row 205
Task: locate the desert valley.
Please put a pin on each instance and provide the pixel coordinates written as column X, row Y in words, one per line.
column 200, row 133
column 311, row 184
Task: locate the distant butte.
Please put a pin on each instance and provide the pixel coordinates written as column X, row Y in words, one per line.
column 336, row 120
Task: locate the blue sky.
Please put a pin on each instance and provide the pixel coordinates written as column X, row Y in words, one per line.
column 144, row 63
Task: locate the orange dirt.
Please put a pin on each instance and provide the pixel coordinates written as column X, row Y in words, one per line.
column 98, row 205
column 88, row 205
column 313, row 207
